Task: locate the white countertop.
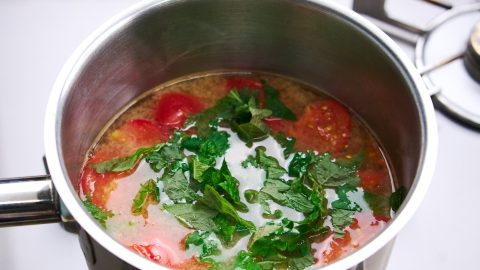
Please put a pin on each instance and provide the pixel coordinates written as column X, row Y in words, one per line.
column 36, row 38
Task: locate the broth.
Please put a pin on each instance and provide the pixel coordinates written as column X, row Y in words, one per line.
column 232, row 192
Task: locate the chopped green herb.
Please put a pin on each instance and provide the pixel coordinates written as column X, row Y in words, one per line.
column 148, row 194
column 245, row 261
column 343, row 210
column 164, row 156
column 226, row 109
column 177, row 188
column 251, row 160
column 313, row 222
column 299, row 164
column 341, row 218
column 301, row 263
column 195, row 216
column 287, row 143
column 283, row 194
column 198, row 169
column 298, row 201
column 249, row 132
column 262, row 232
column 124, row 163
column 269, row 164
column 228, row 231
column 273, row 103
column 99, row 214
column 223, row 181
column 212, row 199
column 208, row 148
column 326, row 172
column 276, row 189
column 397, row 198
column 343, row 202
column 251, row 195
column 279, row 245
column 208, row 247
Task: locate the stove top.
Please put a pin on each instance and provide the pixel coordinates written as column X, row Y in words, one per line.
column 38, row 37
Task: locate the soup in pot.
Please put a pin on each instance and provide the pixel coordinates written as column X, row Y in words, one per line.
column 239, row 171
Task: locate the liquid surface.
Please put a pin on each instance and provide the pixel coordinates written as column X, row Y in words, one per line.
column 347, row 170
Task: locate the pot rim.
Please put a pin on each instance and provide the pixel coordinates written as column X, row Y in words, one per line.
column 75, row 63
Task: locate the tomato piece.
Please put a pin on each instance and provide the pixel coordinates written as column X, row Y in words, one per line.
column 279, row 124
column 192, row 264
column 122, row 142
column 375, row 181
column 136, row 133
column 164, row 255
column 325, row 126
column 240, row 83
column 153, row 252
column 173, row 108
column 98, row 185
column 338, row 247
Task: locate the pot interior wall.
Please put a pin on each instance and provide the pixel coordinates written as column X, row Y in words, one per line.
column 304, row 41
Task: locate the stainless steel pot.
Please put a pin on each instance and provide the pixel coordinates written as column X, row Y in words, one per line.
column 155, row 41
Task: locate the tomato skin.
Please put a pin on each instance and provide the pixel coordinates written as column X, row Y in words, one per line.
column 172, row 109
column 325, row 125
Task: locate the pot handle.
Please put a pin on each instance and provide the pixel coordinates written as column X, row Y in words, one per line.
column 28, row 200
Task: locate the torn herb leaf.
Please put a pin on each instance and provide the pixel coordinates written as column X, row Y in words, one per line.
column 229, row 231
column 279, row 245
column 198, row 168
column 223, row 182
column 341, row 218
column 250, row 161
column 208, row 247
column 287, row 143
column 274, row 103
column 269, row 164
column 97, row 213
column 298, row 201
column 208, row 148
column 245, row 261
column 249, row 133
column 326, row 172
column 281, row 193
column 301, row 263
column 194, row 216
column 343, row 202
column 251, row 195
column 124, row 163
column 148, row 194
column 164, row 156
column 251, row 129
column 177, row 187
column 212, row 199
column 299, row 164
